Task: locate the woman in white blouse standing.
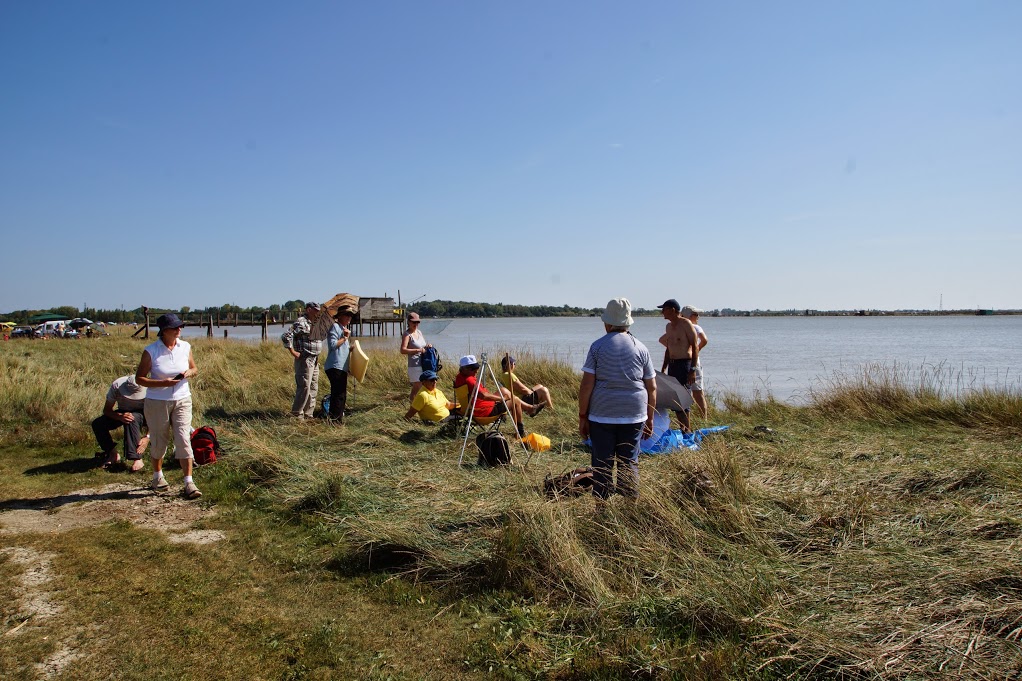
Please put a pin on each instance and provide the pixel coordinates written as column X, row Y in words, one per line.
column 413, row 344
column 164, row 369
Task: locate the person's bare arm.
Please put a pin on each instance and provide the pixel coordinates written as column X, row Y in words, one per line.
column 108, row 411
column 405, row 350
column 193, row 370
column 410, row 414
column 693, row 344
column 585, row 392
column 485, row 394
column 650, row 384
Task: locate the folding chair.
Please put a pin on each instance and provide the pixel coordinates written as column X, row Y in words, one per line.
column 462, row 403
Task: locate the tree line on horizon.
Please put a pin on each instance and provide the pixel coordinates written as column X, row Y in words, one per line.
column 449, row 309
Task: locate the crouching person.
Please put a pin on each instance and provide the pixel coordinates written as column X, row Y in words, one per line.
column 124, row 407
column 429, row 403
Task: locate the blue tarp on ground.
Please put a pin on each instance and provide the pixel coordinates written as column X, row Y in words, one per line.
column 665, row 440
column 675, row 439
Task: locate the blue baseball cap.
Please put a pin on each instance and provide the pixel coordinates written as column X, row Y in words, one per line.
column 169, row 321
column 427, row 375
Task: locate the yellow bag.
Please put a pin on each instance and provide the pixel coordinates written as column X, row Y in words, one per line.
column 537, row 442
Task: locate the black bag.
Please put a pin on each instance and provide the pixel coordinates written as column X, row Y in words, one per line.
column 493, row 450
column 569, row 484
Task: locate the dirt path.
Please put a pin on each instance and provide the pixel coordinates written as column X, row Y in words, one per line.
column 35, row 602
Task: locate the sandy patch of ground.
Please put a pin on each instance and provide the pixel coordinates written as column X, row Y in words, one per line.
column 120, row 501
column 170, row 514
column 37, row 604
column 33, row 599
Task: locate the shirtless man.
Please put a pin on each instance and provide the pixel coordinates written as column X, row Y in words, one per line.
column 682, row 351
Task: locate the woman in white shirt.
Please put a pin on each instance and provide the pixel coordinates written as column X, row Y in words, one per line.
column 164, row 369
column 413, row 344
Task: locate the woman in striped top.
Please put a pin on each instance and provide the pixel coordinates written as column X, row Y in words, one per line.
column 616, row 401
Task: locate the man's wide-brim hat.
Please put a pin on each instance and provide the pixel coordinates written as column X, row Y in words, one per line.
column 343, row 311
column 618, row 312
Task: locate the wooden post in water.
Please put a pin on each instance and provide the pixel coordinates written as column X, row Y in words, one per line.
column 266, row 315
column 209, row 328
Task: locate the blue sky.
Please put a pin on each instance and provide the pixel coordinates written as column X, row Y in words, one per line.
column 728, row 154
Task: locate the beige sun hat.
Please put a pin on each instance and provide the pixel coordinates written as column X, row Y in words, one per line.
column 618, row 312
column 688, row 311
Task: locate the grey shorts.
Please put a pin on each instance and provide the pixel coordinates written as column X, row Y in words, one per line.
column 698, row 383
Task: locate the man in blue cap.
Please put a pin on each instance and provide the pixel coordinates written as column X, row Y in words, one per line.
column 429, row 403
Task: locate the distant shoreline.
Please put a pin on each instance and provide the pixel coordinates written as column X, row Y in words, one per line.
column 464, row 310
column 857, row 313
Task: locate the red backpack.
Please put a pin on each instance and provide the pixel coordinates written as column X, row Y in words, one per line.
column 205, row 446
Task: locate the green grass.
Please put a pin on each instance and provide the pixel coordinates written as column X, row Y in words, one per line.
column 873, row 533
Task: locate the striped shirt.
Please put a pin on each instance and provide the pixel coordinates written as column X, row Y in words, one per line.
column 306, row 336
column 620, row 364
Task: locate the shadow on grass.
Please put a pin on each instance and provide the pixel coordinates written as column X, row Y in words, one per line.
column 63, row 467
column 77, row 466
column 40, row 503
column 221, row 414
column 432, row 433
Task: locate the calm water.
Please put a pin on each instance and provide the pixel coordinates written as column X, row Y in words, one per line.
column 782, row 355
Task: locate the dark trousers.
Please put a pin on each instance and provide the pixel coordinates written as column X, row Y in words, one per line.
column 102, row 426
column 615, row 443
column 338, row 392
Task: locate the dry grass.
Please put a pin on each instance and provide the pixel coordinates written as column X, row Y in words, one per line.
column 873, row 533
